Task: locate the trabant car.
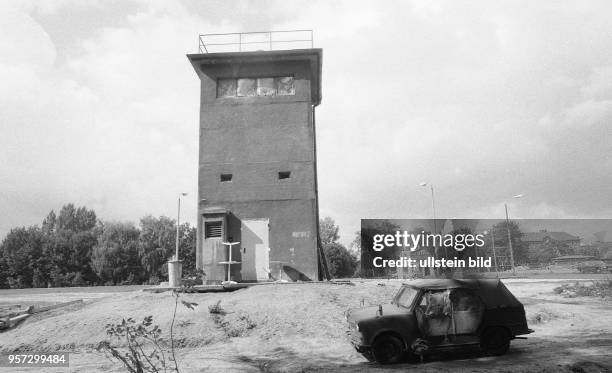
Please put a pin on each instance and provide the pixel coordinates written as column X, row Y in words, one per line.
column 431, row 315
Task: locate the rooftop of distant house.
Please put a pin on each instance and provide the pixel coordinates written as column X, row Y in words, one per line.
column 554, row 236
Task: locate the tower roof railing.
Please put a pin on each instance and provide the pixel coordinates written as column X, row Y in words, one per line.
column 255, row 41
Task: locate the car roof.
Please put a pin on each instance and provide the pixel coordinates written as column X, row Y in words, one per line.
column 493, row 292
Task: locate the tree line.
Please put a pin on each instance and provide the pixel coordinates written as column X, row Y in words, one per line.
column 75, row 248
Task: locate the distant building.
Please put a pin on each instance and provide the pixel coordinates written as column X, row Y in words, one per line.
column 257, row 180
column 571, row 259
column 607, row 258
column 543, row 236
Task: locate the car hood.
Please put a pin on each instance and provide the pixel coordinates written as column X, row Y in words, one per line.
column 355, row 315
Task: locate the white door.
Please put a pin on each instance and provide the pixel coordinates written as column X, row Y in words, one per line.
column 255, row 250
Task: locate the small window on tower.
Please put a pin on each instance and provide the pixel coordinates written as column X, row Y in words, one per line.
column 226, row 88
column 226, row 177
column 284, row 175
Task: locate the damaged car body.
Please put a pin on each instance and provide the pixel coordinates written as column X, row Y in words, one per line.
column 426, row 316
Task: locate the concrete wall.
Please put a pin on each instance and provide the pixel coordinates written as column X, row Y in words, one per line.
column 255, row 138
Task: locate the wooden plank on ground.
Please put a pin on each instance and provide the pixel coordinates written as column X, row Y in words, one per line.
column 55, row 306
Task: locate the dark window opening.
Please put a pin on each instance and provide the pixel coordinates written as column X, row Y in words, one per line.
column 284, row 175
column 213, row 229
column 262, row 86
column 226, row 177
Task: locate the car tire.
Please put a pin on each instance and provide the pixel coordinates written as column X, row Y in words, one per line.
column 495, row 341
column 368, row 355
column 388, row 349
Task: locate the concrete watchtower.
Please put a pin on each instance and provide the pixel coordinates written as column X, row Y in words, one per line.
column 257, row 179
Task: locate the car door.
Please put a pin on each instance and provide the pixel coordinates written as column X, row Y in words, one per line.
column 433, row 313
column 467, row 311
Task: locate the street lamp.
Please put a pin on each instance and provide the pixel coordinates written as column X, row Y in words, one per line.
column 433, row 202
column 509, row 236
column 493, row 247
column 178, row 224
column 175, row 268
column 433, row 206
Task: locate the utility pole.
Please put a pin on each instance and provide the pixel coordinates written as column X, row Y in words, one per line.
column 510, row 241
column 494, row 255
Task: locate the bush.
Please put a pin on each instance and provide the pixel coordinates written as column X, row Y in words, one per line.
column 216, row 309
column 341, row 262
column 153, row 280
column 78, row 280
column 144, row 351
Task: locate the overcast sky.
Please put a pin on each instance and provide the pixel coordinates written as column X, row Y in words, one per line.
column 486, row 100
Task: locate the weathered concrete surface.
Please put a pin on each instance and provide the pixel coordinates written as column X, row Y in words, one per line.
column 253, row 139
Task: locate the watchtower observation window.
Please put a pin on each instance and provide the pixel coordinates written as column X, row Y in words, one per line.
column 250, row 87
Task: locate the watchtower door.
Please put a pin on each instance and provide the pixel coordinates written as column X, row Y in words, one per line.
column 213, row 249
column 255, row 250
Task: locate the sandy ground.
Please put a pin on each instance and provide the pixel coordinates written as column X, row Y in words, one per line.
column 301, row 328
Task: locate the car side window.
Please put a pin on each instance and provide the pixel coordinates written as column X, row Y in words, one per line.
column 465, row 300
column 434, row 303
column 423, row 303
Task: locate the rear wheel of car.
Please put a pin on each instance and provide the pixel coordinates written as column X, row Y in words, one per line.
column 495, row 341
column 387, row 349
column 368, row 355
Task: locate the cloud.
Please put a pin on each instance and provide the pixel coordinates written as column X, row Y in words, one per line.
column 99, row 106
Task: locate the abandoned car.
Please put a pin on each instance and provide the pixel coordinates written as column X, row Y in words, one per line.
column 426, row 316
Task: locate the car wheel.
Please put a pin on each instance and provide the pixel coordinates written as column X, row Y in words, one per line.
column 368, row 355
column 387, row 349
column 495, row 341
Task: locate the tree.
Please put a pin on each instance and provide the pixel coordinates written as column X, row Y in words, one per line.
column 21, row 250
column 70, row 238
column 328, row 231
column 76, row 219
column 341, row 262
column 115, row 256
column 3, row 272
column 156, row 243
column 519, row 248
column 49, row 223
column 368, row 231
column 187, row 247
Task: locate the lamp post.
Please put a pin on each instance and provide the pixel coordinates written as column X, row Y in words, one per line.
column 175, row 267
column 433, row 207
column 178, row 224
column 510, row 236
column 433, row 202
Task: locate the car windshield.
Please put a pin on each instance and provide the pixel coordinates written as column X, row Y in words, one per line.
column 405, row 296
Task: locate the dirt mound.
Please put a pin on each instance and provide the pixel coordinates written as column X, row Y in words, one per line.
column 261, row 312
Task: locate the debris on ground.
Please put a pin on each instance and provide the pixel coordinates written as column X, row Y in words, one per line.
column 601, row 289
column 13, row 319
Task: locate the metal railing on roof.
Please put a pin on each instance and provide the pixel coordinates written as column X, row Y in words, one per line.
column 255, row 41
